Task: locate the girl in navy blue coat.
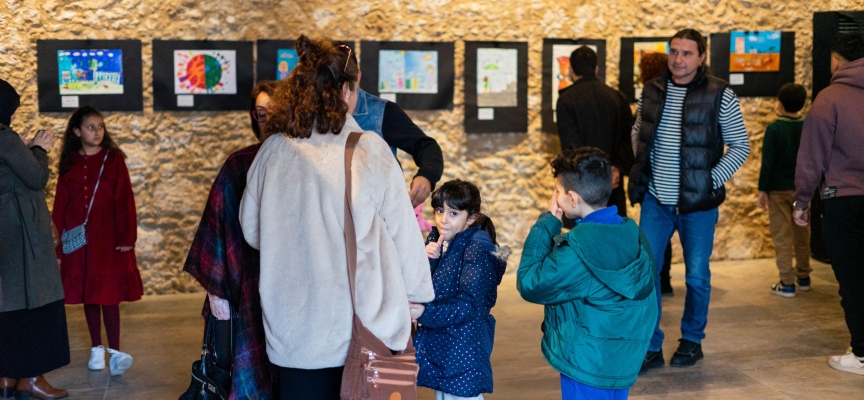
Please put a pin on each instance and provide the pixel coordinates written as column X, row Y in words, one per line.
column 455, row 334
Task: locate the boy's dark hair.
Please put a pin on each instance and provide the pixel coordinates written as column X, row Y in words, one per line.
column 72, row 143
column 583, row 61
column 850, row 45
column 792, row 96
column 464, row 196
column 586, row 171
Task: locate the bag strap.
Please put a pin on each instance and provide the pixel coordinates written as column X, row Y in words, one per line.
column 99, row 178
column 350, row 233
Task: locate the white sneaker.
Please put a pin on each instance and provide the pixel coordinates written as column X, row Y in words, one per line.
column 847, row 362
column 120, row 362
column 97, row 358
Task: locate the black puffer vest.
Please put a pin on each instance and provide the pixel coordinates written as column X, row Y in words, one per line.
column 701, row 141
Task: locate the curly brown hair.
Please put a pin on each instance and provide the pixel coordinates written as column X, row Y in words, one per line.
column 311, row 97
column 652, row 65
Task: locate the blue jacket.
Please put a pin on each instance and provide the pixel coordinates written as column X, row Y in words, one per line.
column 369, row 114
column 454, row 340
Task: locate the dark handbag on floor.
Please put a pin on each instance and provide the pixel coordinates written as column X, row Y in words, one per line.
column 372, row 371
column 211, row 376
column 75, row 238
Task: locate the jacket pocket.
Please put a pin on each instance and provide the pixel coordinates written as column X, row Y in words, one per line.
column 620, row 321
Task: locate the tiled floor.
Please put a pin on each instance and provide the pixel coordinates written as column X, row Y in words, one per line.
column 759, row 346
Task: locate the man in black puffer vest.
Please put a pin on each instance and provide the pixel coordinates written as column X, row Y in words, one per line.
column 686, row 117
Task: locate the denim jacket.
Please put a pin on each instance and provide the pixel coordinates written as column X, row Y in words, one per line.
column 454, row 340
column 369, row 113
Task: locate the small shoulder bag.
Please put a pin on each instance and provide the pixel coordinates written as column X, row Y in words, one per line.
column 75, row 238
column 372, row 371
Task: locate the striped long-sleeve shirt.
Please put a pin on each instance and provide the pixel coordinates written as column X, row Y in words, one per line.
column 666, row 155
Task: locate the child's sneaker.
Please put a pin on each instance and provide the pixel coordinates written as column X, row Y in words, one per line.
column 97, row 358
column 120, row 362
column 782, row 290
column 847, row 362
column 803, row 284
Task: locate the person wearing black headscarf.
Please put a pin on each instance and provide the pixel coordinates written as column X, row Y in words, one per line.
column 33, row 336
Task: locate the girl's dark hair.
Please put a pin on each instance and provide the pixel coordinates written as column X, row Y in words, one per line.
column 265, row 86
column 311, row 97
column 464, row 196
column 72, row 143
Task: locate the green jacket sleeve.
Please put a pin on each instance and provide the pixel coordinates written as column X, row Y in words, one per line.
column 767, row 159
column 548, row 273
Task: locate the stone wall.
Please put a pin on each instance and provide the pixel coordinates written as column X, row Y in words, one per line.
column 174, row 156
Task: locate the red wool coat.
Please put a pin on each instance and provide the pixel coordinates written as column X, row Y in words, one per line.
column 98, row 273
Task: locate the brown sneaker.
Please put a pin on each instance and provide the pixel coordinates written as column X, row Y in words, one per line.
column 7, row 388
column 39, row 388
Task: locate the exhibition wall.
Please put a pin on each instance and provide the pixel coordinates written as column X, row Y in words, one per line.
column 173, row 156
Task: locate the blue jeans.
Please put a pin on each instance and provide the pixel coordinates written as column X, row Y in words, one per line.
column 696, row 231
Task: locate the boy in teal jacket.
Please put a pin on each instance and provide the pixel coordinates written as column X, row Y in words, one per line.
column 596, row 281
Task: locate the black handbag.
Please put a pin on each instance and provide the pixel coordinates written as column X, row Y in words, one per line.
column 211, row 378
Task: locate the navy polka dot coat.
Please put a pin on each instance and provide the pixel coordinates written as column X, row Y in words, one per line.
column 454, row 340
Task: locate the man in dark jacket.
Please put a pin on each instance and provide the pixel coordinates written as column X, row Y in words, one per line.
column 591, row 114
column 831, row 155
column 685, row 118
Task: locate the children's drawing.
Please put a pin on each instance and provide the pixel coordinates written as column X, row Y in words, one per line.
column 496, row 77
column 561, row 67
column 407, row 71
column 286, row 60
column 640, row 49
column 81, row 72
column 754, row 51
column 205, row 72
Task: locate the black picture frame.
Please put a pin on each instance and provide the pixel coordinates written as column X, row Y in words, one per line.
column 756, row 84
column 266, row 57
column 164, row 98
column 443, row 100
column 546, row 107
column 506, row 119
column 626, row 79
column 48, row 86
column 827, row 25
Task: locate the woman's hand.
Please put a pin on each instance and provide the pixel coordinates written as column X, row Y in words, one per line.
column 44, row 139
column 219, row 307
column 433, row 249
column 416, row 310
column 124, row 249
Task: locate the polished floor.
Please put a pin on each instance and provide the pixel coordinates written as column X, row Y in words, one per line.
column 759, row 346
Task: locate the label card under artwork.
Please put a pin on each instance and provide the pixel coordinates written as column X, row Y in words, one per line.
column 185, row 100
column 485, row 114
column 389, row 96
column 69, row 101
column 736, row 79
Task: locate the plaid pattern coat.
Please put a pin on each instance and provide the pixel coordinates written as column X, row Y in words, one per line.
column 222, row 261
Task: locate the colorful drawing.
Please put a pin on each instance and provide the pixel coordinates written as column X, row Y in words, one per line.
column 754, row 51
column 286, row 60
column 561, row 68
column 640, row 49
column 205, row 72
column 497, row 70
column 407, row 71
column 81, row 72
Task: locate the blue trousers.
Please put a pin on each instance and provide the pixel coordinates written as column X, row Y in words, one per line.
column 696, row 231
column 574, row 390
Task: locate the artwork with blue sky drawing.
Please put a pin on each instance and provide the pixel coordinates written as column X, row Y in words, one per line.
column 407, row 71
column 91, row 71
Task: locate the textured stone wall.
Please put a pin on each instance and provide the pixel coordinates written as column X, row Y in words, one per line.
column 174, row 156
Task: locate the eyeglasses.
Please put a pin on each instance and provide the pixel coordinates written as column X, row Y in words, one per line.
column 347, row 58
column 259, row 115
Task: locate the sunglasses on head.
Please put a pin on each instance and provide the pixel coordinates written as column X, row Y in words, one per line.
column 344, row 47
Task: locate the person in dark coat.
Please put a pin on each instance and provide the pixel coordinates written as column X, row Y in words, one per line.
column 456, row 331
column 592, row 114
column 33, row 336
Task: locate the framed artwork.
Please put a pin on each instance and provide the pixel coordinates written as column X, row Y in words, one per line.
column 496, row 87
column 415, row 75
column 201, row 75
column 632, row 50
column 105, row 74
column 276, row 59
column 556, row 67
column 756, row 64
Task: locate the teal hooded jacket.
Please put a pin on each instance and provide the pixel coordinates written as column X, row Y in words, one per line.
column 597, row 283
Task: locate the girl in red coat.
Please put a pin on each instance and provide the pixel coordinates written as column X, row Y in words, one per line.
column 103, row 272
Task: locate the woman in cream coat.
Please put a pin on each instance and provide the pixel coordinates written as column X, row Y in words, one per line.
column 293, row 211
